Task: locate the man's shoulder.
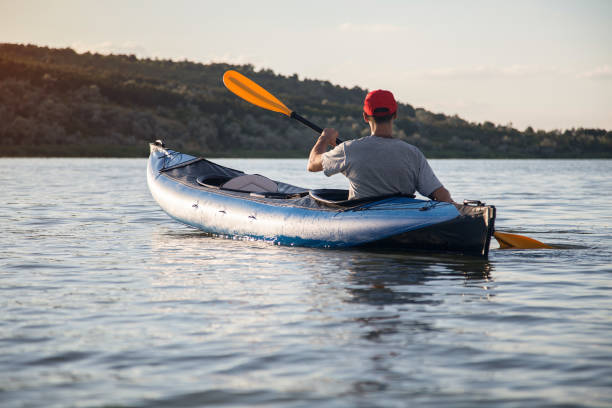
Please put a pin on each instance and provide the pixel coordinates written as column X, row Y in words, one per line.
column 367, row 143
column 371, row 139
column 392, row 141
column 359, row 140
column 354, row 143
column 405, row 145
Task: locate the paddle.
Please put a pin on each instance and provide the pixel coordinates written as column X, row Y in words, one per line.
column 510, row 241
column 255, row 94
column 251, row 92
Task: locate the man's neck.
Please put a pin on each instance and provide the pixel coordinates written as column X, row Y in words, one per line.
column 382, row 130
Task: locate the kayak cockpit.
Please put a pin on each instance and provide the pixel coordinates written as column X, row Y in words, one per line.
column 254, row 184
column 203, row 174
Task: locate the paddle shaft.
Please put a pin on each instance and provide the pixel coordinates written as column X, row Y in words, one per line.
column 311, row 125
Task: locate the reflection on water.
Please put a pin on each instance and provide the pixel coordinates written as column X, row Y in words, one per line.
column 375, row 278
column 408, row 283
column 397, row 280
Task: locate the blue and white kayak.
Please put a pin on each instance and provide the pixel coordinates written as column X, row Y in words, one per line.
column 230, row 203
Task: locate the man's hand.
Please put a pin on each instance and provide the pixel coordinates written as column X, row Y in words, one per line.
column 441, row 194
column 327, row 138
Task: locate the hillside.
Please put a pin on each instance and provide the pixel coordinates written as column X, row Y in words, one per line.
column 56, row 102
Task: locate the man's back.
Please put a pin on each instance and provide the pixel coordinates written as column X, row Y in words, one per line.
column 379, row 166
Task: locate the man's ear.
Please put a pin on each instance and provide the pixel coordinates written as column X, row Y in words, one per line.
column 365, row 118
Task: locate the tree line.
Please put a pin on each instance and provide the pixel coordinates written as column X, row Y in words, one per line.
column 56, row 102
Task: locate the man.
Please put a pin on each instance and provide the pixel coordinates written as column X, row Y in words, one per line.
column 377, row 164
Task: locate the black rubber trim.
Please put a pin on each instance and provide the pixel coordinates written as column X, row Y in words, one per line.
column 336, row 197
column 279, row 196
column 469, row 233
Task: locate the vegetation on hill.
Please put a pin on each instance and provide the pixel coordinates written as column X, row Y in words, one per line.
column 56, row 102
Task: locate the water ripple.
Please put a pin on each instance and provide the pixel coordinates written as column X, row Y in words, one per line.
column 108, row 302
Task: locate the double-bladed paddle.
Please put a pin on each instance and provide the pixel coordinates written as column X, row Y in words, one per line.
column 255, row 94
column 514, row 241
column 251, row 92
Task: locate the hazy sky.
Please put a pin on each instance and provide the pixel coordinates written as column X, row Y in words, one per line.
column 547, row 64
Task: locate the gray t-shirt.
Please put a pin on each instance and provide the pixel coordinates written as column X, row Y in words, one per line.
column 378, row 166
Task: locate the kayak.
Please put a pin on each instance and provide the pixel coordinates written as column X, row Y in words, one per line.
column 230, row 203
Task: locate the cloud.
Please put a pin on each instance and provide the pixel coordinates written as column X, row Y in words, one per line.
column 602, row 72
column 108, row 47
column 487, row 72
column 370, row 28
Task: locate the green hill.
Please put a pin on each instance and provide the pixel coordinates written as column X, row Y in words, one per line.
column 56, row 102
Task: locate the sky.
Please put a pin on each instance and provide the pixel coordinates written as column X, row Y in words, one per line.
column 545, row 64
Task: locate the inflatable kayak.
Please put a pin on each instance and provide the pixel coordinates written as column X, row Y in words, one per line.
column 230, row 203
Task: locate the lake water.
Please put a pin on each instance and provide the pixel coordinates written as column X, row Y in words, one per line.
column 105, row 301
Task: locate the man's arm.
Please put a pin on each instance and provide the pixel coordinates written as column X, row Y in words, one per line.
column 327, row 138
column 441, row 194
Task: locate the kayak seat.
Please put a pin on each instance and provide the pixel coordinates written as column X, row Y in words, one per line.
column 212, row 182
column 336, row 197
column 247, row 183
column 252, row 183
column 329, row 195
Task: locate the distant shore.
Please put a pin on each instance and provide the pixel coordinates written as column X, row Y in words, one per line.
column 97, row 151
column 58, row 103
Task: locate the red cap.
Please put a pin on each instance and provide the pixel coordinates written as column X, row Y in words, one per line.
column 379, row 99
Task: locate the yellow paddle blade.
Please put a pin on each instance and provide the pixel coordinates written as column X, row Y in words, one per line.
column 251, row 92
column 507, row 241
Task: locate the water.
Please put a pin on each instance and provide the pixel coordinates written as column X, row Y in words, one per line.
column 107, row 302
